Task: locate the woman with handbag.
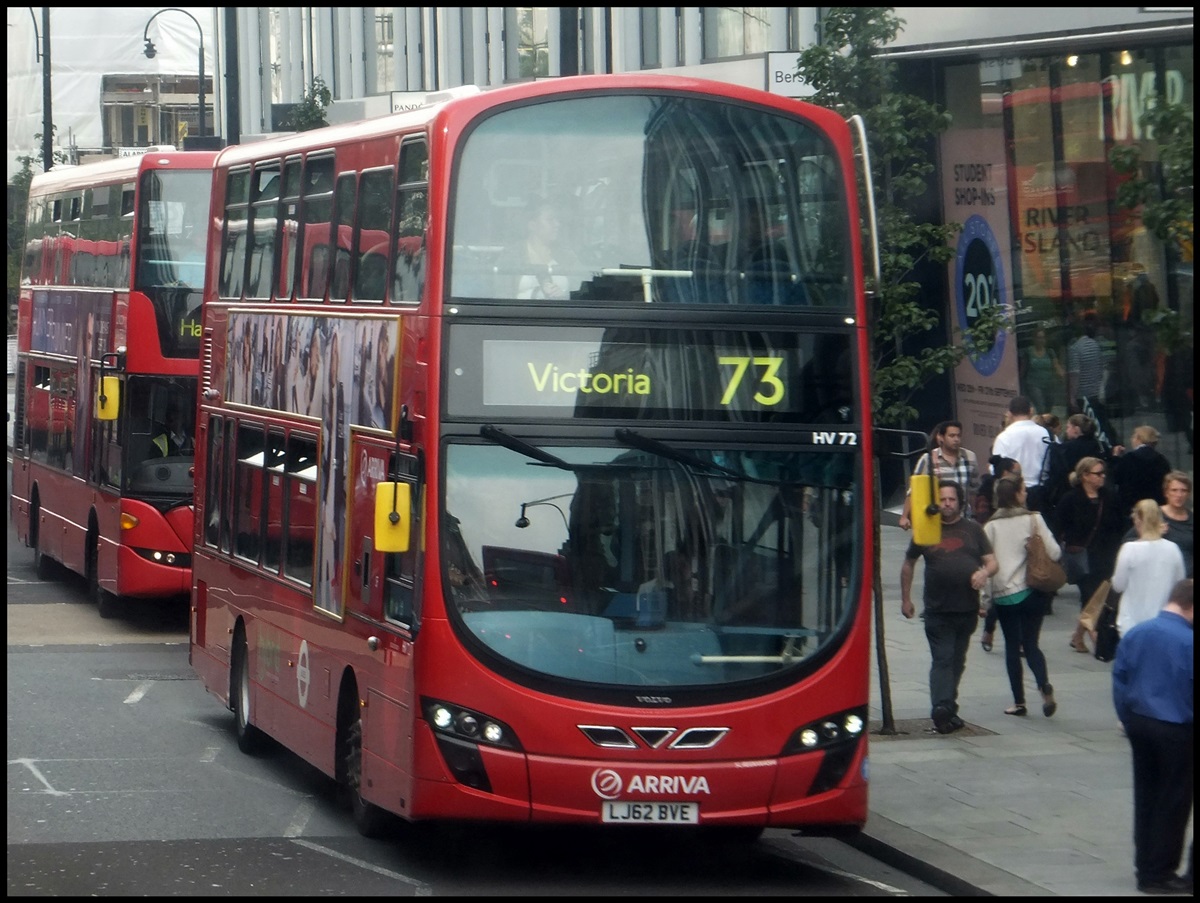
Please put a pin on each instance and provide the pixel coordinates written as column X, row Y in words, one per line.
column 1019, row 606
column 1147, row 568
column 985, row 507
column 1089, row 528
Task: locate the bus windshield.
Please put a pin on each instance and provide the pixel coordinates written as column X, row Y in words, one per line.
column 171, row 242
column 649, row 198
column 656, row 565
column 159, row 446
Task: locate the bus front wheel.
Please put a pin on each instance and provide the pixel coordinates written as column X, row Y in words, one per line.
column 250, row 739
column 370, row 820
column 107, row 604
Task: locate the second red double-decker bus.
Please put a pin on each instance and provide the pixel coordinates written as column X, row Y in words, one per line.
column 108, row 330
column 553, row 506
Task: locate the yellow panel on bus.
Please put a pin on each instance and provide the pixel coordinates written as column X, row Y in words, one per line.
column 108, row 398
column 393, row 520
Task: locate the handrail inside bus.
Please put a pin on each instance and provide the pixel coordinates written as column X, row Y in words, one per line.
column 647, row 275
column 860, row 129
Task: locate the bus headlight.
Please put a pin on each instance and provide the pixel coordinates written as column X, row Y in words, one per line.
column 462, row 723
column 832, row 730
column 168, row 559
column 837, row 738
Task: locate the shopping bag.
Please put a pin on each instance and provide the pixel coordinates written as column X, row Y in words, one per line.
column 1107, row 637
column 1090, row 616
column 1042, row 572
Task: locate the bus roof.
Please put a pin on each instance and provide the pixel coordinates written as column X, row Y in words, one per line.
column 470, row 100
column 121, row 169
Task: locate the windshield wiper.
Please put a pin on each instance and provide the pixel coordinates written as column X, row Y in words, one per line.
column 521, row 447
column 662, row 450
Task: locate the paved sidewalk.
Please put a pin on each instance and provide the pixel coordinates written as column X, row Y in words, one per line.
column 1009, row 805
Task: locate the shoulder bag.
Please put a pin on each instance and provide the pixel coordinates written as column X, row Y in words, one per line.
column 1042, row 572
column 1075, row 558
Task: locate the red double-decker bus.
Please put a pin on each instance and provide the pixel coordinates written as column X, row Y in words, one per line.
column 535, row 484
column 108, row 330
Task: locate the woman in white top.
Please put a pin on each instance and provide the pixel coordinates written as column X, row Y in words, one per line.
column 1147, row 568
column 1019, row 607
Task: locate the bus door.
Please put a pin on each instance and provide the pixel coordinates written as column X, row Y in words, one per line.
column 382, row 592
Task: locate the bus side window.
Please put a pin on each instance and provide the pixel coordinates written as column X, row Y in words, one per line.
column 273, row 473
column 316, row 212
column 371, row 235
column 234, row 241
column 343, row 212
column 248, row 492
column 215, row 480
column 300, row 507
column 412, row 189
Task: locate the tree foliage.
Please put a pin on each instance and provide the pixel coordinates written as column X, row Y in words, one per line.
column 847, row 74
column 1164, row 192
column 309, row 113
column 18, row 210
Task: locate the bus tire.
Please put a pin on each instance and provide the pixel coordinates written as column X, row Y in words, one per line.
column 43, row 564
column 370, row 820
column 250, row 739
column 91, row 557
column 107, row 604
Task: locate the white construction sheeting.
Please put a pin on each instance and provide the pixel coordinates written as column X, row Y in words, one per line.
column 87, row 44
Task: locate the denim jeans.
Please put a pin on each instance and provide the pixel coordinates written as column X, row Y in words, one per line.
column 949, row 636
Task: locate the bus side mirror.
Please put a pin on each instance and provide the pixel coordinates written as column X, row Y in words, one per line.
column 393, row 516
column 926, row 516
column 108, row 398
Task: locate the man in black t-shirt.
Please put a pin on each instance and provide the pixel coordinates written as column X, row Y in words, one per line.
column 956, row 569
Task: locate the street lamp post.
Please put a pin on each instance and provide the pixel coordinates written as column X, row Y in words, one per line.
column 42, row 48
column 151, row 51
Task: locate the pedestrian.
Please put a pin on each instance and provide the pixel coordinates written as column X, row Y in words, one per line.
column 1177, row 514
column 1052, row 423
column 1019, row 607
column 1089, row 526
column 985, row 503
column 1079, row 442
column 1027, row 441
column 956, row 569
column 1152, row 692
column 1139, row 472
column 1001, row 467
column 1085, row 373
column 950, row 462
column 1146, row 568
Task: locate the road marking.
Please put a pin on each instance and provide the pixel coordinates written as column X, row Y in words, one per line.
column 422, row 888
column 28, row 763
column 142, row 690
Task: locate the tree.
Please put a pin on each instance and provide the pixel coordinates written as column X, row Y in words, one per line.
column 18, row 210
column 1165, row 196
column 309, row 113
column 847, row 74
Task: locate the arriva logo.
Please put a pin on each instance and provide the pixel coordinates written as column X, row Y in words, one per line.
column 608, row 784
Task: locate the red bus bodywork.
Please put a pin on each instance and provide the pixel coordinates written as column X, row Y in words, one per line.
column 79, row 307
column 328, row 677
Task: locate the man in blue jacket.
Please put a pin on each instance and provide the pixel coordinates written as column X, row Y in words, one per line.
column 1152, row 692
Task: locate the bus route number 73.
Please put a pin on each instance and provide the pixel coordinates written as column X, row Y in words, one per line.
column 770, row 387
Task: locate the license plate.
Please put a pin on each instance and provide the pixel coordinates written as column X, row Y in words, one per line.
column 650, row 813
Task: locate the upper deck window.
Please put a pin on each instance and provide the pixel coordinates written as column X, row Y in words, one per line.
column 634, row 199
